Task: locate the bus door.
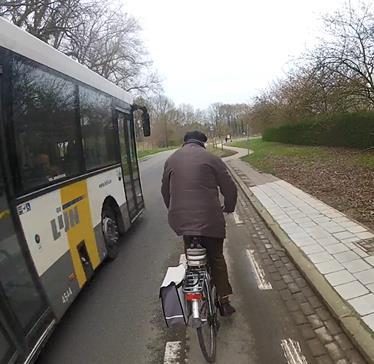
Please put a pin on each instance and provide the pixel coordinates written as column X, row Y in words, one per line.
column 24, row 315
column 129, row 162
column 134, row 164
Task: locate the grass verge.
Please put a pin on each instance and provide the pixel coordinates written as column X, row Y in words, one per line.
column 219, row 152
column 216, row 151
column 341, row 177
column 264, row 152
column 146, row 152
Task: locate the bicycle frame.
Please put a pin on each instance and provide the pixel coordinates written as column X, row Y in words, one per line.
column 200, row 295
column 193, row 288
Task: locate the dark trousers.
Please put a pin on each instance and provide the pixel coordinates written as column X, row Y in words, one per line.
column 217, row 263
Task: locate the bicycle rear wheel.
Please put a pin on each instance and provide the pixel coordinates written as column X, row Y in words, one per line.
column 207, row 333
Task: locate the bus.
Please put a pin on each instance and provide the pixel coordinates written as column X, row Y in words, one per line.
column 69, row 184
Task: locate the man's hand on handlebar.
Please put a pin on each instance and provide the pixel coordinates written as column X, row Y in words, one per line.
column 224, row 210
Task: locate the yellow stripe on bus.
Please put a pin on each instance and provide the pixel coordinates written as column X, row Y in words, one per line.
column 76, row 208
column 4, row 214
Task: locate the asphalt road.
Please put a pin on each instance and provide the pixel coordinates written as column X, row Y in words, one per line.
column 117, row 317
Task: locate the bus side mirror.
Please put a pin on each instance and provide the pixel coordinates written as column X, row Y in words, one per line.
column 146, row 123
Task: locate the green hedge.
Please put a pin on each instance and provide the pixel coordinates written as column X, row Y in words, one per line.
column 354, row 130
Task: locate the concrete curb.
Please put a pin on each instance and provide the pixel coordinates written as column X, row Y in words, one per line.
column 345, row 314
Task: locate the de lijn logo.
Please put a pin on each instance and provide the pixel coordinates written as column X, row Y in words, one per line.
column 67, row 218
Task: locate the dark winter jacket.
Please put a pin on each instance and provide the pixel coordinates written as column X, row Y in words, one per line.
column 191, row 183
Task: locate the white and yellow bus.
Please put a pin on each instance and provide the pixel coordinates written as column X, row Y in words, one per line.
column 69, row 184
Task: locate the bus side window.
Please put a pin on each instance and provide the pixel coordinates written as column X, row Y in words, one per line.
column 99, row 135
column 44, row 117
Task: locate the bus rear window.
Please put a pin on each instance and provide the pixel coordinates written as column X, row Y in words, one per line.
column 44, row 116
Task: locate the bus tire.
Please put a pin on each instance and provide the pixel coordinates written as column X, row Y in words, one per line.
column 111, row 231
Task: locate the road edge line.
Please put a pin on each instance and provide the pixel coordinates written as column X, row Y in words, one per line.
column 262, row 283
column 238, row 220
column 354, row 327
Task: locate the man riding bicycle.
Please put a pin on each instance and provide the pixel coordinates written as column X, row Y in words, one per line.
column 191, row 183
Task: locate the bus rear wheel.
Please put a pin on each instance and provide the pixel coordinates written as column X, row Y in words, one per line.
column 110, row 228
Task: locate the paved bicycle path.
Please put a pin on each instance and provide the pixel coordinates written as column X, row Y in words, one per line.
column 279, row 319
column 335, row 252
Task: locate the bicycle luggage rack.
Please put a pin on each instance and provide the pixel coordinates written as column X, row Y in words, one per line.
column 196, row 257
column 193, row 281
column 196, row 262
column 193, row 284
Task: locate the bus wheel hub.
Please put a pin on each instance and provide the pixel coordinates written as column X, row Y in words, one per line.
column 110, row 230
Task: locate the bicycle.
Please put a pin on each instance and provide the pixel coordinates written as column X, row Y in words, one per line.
column 201, row 298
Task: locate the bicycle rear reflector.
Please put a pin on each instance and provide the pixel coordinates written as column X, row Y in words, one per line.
column 193, row 296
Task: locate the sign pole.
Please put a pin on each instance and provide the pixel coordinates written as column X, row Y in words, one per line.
column 248, row 139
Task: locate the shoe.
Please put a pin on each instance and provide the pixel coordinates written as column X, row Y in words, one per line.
column 225, row 309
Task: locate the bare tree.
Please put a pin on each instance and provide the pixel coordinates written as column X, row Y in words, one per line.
column 98, row 34
column 234, row 115
column 48, row 20
column 107, row 41
column 347, row 50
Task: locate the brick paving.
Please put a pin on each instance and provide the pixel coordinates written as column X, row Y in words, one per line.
column 340, row 248
column 321, row 332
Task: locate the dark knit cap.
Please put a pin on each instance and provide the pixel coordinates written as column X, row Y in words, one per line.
column 195, row 135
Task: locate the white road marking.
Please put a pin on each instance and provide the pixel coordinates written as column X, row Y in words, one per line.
column 172, row 352
column 292, row 352
column 262, row 282
column 237, row 219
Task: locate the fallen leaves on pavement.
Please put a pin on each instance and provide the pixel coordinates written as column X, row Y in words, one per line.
column 338, row 180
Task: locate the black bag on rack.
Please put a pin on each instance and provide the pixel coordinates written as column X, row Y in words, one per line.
column 172, row 297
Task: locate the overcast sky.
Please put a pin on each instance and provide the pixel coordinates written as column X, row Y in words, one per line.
column 225, row 50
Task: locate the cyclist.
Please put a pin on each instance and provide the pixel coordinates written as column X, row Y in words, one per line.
column 191, row 180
